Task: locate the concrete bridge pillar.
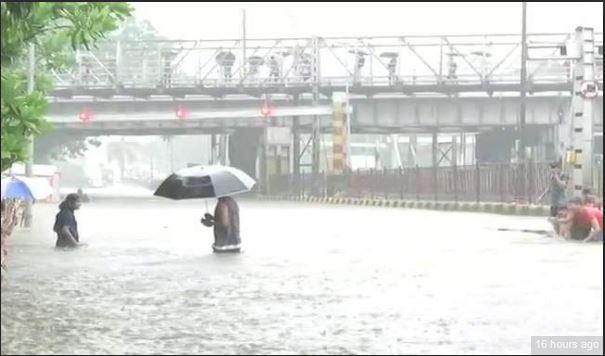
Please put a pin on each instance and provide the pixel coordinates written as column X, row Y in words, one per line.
column 243, row 147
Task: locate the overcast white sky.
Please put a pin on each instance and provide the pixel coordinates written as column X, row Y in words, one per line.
column 224, row 20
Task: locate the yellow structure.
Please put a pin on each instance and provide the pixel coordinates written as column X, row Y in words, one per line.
column 339, row 138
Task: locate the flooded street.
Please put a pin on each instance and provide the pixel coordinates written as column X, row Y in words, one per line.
column 312, row 279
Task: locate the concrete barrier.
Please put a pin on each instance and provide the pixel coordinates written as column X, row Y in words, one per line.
column 498, row 208
column 449, row 206
column 536, row 210
column 487, row 207
column 510, row 209
column 524, row 210
column 466, row 206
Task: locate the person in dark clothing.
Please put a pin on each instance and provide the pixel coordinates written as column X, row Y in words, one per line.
column 557, row 186
column 226, row 225
column 558, row 198
column 392, row 67
column 274, row 69
column 66, row 226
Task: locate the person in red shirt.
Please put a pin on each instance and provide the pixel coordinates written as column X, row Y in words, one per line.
column 583, row 223
column 596, row 211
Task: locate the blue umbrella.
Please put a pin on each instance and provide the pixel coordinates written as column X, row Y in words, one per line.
column 14, row 188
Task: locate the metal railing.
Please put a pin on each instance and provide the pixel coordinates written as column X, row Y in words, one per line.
column 387, row 61
column 504, row 183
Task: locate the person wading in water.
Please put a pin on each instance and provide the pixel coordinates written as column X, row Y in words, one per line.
column 66, row 226
column 226, row 225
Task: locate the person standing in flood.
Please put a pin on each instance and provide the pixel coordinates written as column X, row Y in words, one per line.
column 66, row 225
column 226, row 225
column 556, row 189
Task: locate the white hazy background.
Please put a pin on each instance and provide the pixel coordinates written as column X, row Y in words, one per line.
column 224, row 20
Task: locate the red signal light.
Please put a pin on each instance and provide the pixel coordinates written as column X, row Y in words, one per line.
column 266, row 110
column 85, row 115
column 182, row 113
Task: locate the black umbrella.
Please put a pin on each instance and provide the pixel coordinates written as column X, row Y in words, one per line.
column 205, row 182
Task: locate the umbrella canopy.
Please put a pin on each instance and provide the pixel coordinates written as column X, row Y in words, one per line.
column 25, row 188
column 389, row 55
column 15, row 188
column 39, row 186
column 205, row 182
column 256, row 60
column 225, row 58
column 482, row 53
column 358, row 51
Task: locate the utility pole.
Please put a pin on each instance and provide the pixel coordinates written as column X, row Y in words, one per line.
column 31, row 67
column 243, row 66
column 348, row 162
column 316, row 119
column 170, row 144
column 585, row 92
column 523, row 82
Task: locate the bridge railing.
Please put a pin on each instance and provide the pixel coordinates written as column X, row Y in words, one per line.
column 482, row 183
column 367, row 61
column 71, row 80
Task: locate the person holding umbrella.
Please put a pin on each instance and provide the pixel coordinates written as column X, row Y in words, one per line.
column 226, row 225
column 391, row 66
column 222, row 182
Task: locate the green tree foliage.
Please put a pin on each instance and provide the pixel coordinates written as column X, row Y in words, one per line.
column 54, row 29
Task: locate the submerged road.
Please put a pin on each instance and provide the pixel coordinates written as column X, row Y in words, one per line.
column 312, row 279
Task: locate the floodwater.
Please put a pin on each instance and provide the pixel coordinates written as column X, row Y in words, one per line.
column 312, row 279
